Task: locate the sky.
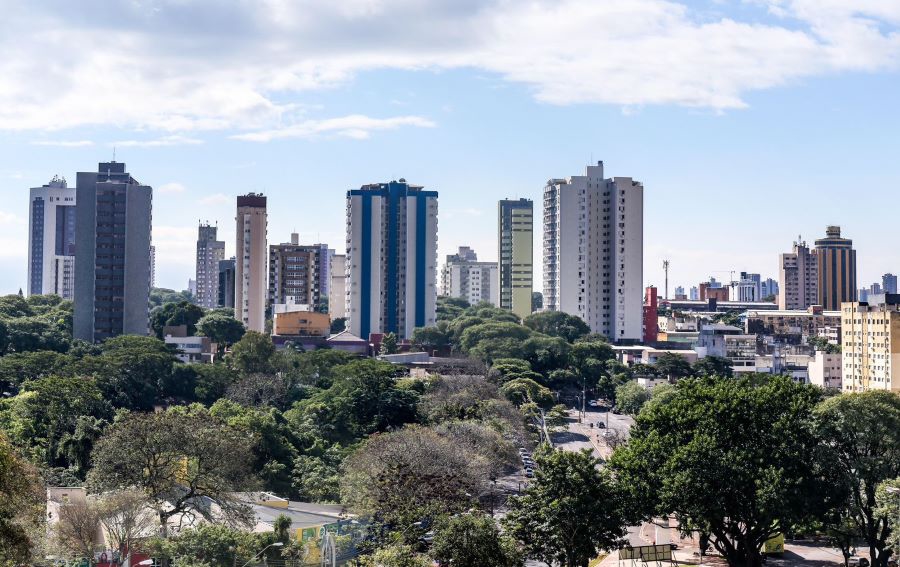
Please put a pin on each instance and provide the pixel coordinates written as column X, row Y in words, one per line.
column 750, row 123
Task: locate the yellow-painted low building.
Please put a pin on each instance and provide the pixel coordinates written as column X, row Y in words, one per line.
column 302, row 324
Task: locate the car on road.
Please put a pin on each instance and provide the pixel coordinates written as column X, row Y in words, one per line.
column 593, row 403
column 529, row 473
column 601, row 425
column 616, row 411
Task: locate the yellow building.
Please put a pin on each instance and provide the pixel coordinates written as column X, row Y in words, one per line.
column 302, row 324
column 515, row 241
column 870, row 345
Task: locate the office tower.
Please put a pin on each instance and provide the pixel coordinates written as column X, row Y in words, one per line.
column 226, row 283
column 515, row 240
column 875, row 289
column 889, row 283
column 769, row 288
column 679, row 293
column 870, row 343
column 51, row 239
column 112, row 245
column 192, row 287
column 836, row 261
column 593, row 251
column 251, row 266
column 798, row 278
column 152, row 265
column 695, row 293
column 465, row 277
column 299, row 274
column 391, row 258
column 748, row 288
column 337, row 289
column 863, row 295
column 209, row 253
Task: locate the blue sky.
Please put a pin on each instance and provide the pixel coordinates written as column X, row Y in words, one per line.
column 749, row 122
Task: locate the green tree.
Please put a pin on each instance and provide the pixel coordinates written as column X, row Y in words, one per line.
column 569, row 514
column 180, row 461
column 17, row 368
column 434, row 338
column 474, row 336
column 19, row 498
column 399, row 555
column 545, row 353
column 212, row 381
column 210, row 545
column 131, row 370
column 388, row 344
column 160, row 296
column 524, row 390
column 173, row 314
column 631, row 397
column 537, row 301
column 253, row 353
column 557, row 324
column 338, row 325
column 713, row 366
column 887, row 497
column 505, row 369
column 449, row 308
column 734, row 459
column 672, row 366
column 221, row 328
column 863, row 432
column 473, row 540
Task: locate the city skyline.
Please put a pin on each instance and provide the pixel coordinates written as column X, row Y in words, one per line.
column 713, row 155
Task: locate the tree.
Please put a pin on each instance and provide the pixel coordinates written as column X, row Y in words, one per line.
column 19, row 498
column 557, row 324
column 523, row 390
column 253, row 353
column 713, row 366
column 125, row 519
column 473, row 540
column 172, row 314
column 179, row 461
column 388, row 344
column 131, row 371
column 399, row 555
column 672, row 366
column 545, row 353
column 477, row 334
column 731, row 458
column 78, row 528
column 338, row 325
column 506, row 369
column 222, row 329
column 17, row 368
column 432, row 339
column 631, row 397
column 210, row 545
column 569, row 513
column 537, row 301
column 887, row 496
column 863, row 431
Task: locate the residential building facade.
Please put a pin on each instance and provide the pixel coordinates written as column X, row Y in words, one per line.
column 798, row 278
column 209, row 253
column 870, row 345
column 250, row 265
column 836, row 261
column 112, row 244
column 515, row 255
column 826, row 370
column 226, row 283
column 51, row 239
column 465, row 277
column 593, row 251
column 299, row 274
column 391, row 258
column 337, row 289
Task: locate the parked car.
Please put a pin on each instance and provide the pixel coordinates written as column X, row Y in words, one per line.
column 529, row 473
column 601, row 425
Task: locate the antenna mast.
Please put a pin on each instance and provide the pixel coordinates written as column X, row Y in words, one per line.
column 666, row 269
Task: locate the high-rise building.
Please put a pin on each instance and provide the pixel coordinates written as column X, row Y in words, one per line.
column 465, row 277
column 250, row 265
column 695, row 293
column 226, row 283
column 337, row 289
column 152, row 265
column 391, row 258
column 51, row 239
column 748, row 288
column 515, row 253
column 870, row 344
column 209, row 253
column 679, row 293
column 299, row 274
column 112, row 245
column 769, row 288
column 594, row 251
column 836, row 261
column 798, row 278
column 889, row 283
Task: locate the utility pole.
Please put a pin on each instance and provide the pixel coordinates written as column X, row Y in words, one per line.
column 666, row 269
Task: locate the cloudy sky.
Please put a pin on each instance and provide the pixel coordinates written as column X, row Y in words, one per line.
column 749, row 122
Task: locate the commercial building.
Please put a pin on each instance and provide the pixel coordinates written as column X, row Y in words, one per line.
column 189, row 349
column 889, row 283
column 337, row 289
column 798, row 277
column 794, row 326
column 710, row 291
column 300, row 323
column 299, row 274
column 515, row 253
column 593, row 251
column 250, row 264
column 748, row 288
column 112, row 245
column 226, row 283
column 391, row 258
column 465, row 277
column 836, row 261
column 870, row 344
column 51, row 239
column 730, row 342
column 679, row 293
column 769, row 288
column 826, row 370
column 209, row 253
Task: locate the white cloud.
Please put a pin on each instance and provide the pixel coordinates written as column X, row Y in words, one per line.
column 175, row 245
column 63, row 143
column 170, row 188
column 173, row 140
column 190, row 65
column 10, row 218
column 216, row 199
column 353, row 126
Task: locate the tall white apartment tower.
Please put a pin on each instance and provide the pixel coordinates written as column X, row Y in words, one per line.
column 209, row 253
column 594, row 251
column 391, row 258
column 251, row 265
column 51, row 239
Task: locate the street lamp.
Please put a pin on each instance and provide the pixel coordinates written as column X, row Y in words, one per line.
column 276, row 544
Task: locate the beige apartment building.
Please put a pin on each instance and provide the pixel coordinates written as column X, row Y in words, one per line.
column 250, row 266
column 870, row 345
column 515, row 240
column 798, row 278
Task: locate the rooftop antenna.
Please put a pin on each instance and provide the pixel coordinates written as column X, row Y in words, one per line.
column 666, row 269
column 114, row 154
